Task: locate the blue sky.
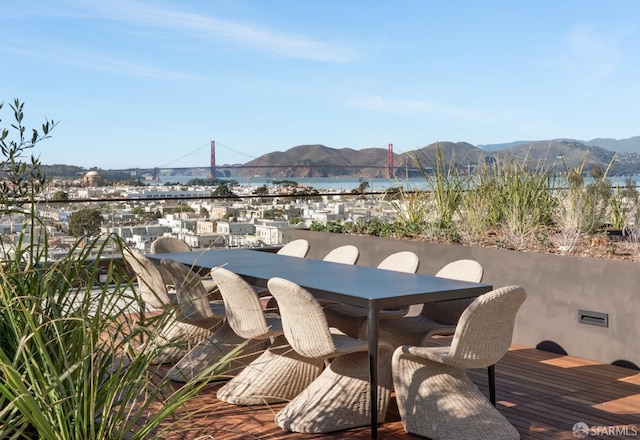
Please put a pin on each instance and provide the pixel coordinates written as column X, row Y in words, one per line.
column 141, row 83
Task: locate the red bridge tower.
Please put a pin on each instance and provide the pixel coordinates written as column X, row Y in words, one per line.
column 213, row 160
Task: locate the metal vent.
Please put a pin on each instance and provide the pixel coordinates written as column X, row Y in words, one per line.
column 593, row 318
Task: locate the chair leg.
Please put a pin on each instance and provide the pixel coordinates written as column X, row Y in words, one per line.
column 491, row 370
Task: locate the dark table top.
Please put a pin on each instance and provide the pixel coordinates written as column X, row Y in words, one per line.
column 355, row 285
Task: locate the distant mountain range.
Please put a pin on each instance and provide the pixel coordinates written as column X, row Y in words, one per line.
column 559, row 154
column 631, row 145
column 621, row 157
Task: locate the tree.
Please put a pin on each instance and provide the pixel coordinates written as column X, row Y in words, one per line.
column 261, row 191
column 22, row 180
column 223, row 190
column 60, row 195
column 85, row 222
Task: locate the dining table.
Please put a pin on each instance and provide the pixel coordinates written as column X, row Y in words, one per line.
column 368, row 287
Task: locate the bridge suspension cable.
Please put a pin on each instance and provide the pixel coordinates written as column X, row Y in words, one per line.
column 184, row 156
column 226, row 147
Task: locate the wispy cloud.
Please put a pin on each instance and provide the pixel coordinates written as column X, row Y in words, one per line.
column 89, row 60
column 590, row 56
column 146, row 14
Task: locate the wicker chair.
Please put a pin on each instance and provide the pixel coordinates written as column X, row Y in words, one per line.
column 347, row 254
column 175, row 338
column 435, row 397
column 339, row 398
column 449, row 312
column 226, row 351
column 194, row 306
column 433, row 318
column 296, row 248
column 275, row 375
column 352, row 319
column 437, row 318
column 168, row 245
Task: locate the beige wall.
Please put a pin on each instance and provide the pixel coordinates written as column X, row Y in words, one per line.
column 557, row 287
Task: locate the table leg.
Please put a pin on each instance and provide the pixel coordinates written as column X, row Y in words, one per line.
column 372, row 337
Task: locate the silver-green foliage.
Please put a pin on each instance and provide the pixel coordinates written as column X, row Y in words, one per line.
column 68, row 368
column 444, row 182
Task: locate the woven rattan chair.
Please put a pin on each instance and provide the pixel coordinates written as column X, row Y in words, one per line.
column 192, row 298
column 176, row 337
column 275, row 375
column 339, row 398
column 347, row 254
column 168, row 245
column 438, row 318
column 226, row 351
column 436, row 398
column 352, row 319
column 296, row 248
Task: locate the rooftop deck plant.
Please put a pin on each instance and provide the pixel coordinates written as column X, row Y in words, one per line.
column 513, row 204
column 67, row 365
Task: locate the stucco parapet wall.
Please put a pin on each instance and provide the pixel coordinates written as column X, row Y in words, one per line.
column 558, row 287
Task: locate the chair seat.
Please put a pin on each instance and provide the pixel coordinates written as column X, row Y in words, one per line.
column 411, row 330
column 345, row 344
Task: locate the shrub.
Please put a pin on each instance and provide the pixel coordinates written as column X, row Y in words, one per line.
column 68, row 368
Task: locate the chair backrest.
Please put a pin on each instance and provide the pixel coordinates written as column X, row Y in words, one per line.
column 462, row 270
column 483, row 334
column 347, row 254
column 403, row 261
column 165, row 245
column 303, row 320
column 191, row 294
column 241, row 304
column 448, row 312
column 295, row 248
column 151, row 286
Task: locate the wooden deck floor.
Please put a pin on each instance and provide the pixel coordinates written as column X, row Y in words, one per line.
column 542, row 394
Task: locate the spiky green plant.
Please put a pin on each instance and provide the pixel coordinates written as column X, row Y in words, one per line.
column 411, row 206
column 444, row 182
column 524, row 198
column 474, row 215
column 623, row 199
column 71, row 363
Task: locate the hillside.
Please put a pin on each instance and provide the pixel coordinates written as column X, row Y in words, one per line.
column 318, row 161
column 323, row 161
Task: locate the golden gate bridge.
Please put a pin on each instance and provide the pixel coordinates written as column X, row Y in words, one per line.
column 214, row 168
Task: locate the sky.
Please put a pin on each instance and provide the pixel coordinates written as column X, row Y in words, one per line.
column 142, row 83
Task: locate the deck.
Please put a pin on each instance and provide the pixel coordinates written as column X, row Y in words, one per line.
column 542, row 394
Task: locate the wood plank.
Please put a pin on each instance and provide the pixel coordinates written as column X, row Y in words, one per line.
column 542, row 394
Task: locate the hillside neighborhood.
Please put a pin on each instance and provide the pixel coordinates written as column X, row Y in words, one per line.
column 143, row 214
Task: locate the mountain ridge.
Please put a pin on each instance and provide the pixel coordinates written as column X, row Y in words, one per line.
column 317, row 160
